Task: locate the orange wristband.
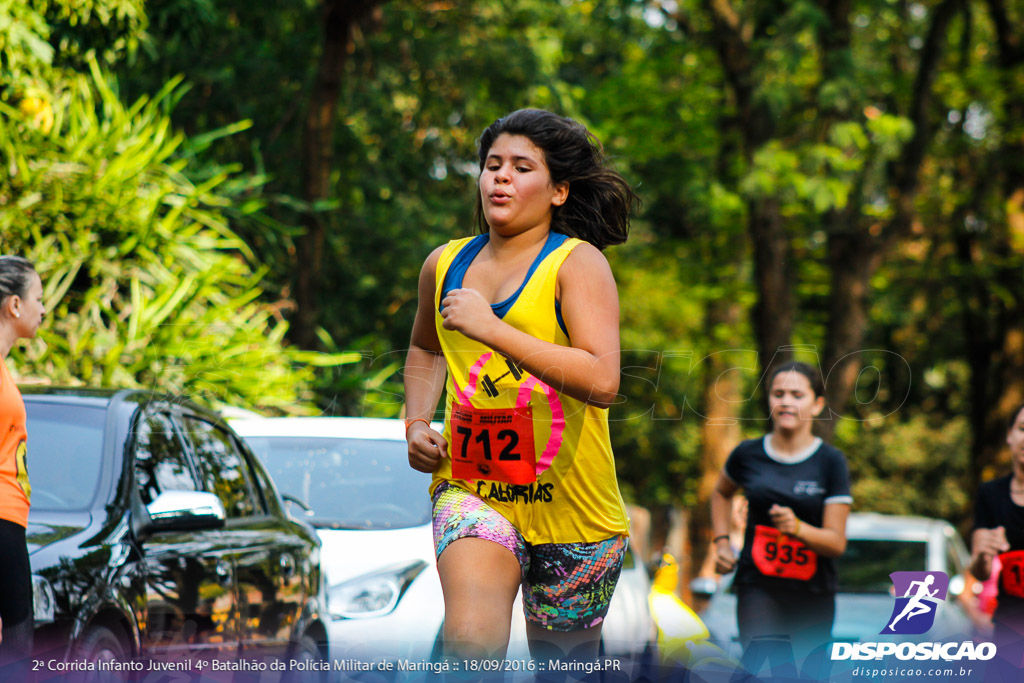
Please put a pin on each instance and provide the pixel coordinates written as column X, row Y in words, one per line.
column 410, row 423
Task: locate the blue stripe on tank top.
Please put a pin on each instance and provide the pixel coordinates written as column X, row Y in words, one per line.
column 460, row 264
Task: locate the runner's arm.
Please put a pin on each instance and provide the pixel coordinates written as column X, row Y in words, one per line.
column 424, row 375
column 828, row 540
column 721, row 521
column 985, row 545
column 589, row 369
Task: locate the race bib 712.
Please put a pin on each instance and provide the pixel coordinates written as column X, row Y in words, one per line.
column 494, row 444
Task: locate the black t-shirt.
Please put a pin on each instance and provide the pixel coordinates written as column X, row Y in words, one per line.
column 995, row 507
column 805, row 483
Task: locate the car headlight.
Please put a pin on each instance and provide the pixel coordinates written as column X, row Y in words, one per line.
column 43, row 602
column 372, row 595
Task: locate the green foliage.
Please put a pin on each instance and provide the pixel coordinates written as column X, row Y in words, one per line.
column 146, row 283
column 44, row 42
column 418, row 94
column 923, row 458
column 82, row 30
column 23, row 46
column 149, row 234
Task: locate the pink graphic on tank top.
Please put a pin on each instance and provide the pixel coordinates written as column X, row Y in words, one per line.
column 557, row 419
column 474, row 377
column 526, row 388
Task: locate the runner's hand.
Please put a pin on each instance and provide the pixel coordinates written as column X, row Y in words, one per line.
column 990, row 542
column 783, row 519
column 725, row 559
column 426, row 448
column 468, row 312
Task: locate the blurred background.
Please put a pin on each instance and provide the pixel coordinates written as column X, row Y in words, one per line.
column 231, row 201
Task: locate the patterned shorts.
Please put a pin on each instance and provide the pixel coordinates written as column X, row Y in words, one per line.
column 566, row 586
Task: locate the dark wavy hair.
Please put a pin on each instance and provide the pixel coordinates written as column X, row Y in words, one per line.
column 808, row 371
column 600, row 200
column 15, row 276
column 1012, row 420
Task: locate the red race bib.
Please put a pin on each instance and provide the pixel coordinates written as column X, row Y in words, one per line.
column 494, row 444
column 1011, row 576
column 782, row 555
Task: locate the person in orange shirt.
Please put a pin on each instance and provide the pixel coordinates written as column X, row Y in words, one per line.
column 21, row 313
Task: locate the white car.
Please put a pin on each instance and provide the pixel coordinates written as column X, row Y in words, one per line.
column 350, row 478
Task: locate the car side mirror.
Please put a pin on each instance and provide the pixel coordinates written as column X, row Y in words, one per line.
column 184, row 511
column 290, row 500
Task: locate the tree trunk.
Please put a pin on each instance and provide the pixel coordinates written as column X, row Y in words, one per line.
column 339, row 19
column 1003, row 372
column 852, row 259
column 855, row 252
column 720, row 432
column 775, row 311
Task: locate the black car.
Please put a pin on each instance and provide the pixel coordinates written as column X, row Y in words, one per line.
column 156, row 535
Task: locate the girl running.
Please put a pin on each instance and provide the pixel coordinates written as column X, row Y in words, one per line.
column 798, row 490
column 999, row 533
column 21, row 312
column 520, row 326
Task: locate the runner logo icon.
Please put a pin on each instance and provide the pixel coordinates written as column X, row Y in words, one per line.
column 918, row 595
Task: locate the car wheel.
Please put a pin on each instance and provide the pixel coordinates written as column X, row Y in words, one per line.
column 100, row 644
column 305, row 661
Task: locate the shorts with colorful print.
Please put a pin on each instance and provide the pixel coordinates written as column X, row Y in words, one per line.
column 566, row 586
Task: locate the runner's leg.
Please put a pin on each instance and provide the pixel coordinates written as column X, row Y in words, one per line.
column 765, row 633
column 15, row 603
column 569, row 588
column 480, row 579
column 545, row 644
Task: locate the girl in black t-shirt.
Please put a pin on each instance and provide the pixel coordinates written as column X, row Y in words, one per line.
column 999, row 531
column 798, row 490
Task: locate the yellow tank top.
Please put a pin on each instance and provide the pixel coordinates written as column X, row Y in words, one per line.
column 575, row 497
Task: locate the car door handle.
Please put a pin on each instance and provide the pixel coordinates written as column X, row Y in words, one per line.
column 224, row 571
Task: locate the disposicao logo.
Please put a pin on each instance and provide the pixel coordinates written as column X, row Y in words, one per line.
column 918, row 595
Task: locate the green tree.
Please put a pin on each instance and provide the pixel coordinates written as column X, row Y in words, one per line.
column 418, row 89
column 146, row 283
column 805, row 190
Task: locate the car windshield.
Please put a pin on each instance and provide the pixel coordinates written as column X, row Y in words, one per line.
column 65, row 454
column 348, row 483
column 867, row 563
